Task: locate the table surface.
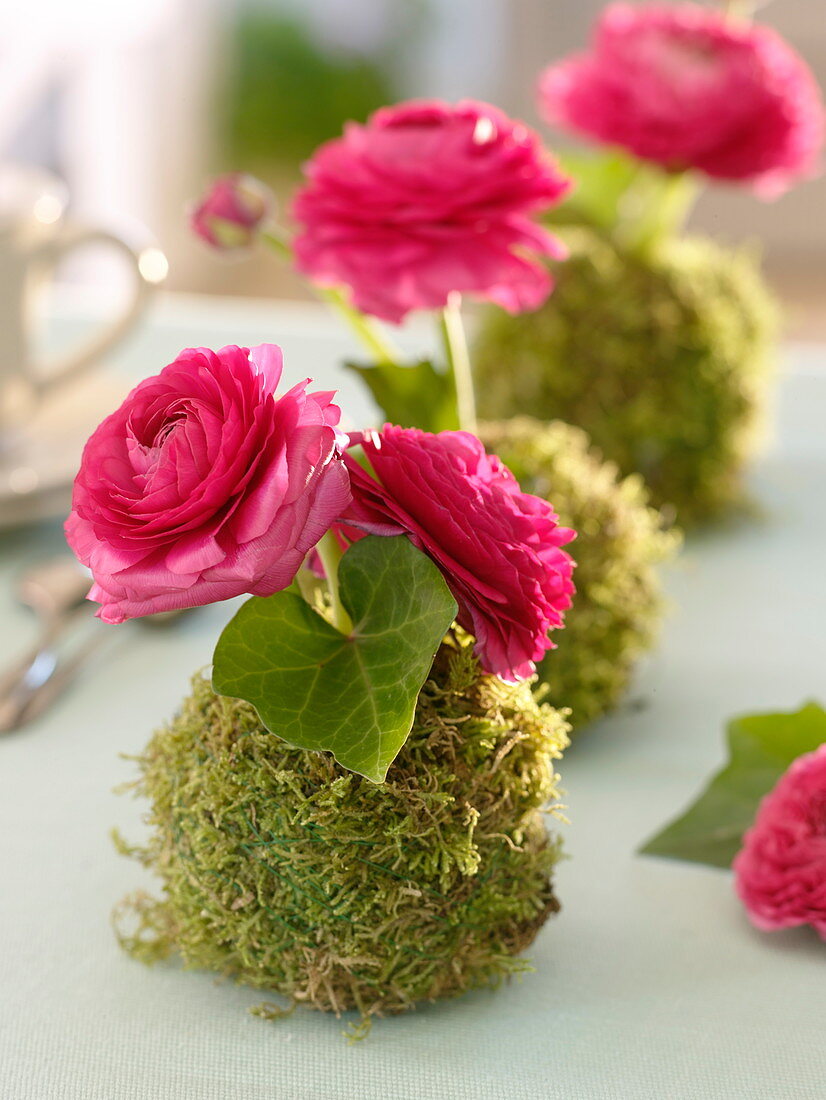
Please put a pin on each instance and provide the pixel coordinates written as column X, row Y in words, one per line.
column 649, row 984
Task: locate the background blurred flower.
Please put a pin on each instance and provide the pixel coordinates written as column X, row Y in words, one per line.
column 688, row 87
column 230, row 214
column 205, row 485
column 426, row 199
column 499, row 548
column 780, row 874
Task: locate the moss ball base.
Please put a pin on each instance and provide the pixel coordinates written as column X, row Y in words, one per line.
column 287, row 873
column 664, row 362
column 620, row 541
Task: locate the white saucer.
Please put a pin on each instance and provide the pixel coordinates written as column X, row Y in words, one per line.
column 37, row 469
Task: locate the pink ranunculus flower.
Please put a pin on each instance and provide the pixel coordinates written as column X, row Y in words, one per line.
column 499, row 549
column 230, row 214
column 687, row 87
column 427, row 199
column 204, row 485
column 780, row 873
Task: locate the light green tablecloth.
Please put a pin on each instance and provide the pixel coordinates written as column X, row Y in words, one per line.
column 650, row 983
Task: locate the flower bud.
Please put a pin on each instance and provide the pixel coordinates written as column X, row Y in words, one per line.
column 230, row 215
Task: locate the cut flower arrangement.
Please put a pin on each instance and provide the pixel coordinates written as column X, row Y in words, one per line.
column 421, row 206
column 350, row 810
column 351, row 814
column 660, row 344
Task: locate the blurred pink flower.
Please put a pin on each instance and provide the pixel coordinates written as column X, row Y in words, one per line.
column 426, row 199
column 205, row 485
column 499, row 549
column 687, row 87
column 230, row 214
column 780, row 874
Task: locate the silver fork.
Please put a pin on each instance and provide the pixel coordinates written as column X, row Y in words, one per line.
column 55, row 590
column 41, row 682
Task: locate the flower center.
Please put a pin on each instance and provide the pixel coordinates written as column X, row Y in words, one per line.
column 166, row 430
column 148, row 444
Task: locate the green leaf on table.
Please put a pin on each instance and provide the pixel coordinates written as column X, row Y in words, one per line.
column 353, row 695
column 761, row 748
column 416, row 396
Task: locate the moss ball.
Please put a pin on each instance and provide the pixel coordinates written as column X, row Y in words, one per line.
column 664, row 363
column 288, row 873
column 620, row 541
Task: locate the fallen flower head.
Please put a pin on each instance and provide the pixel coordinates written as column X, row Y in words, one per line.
column 780, row 873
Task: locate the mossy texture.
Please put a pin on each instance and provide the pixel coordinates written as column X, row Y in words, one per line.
column 664, row 363
column 620, row 541
column 286, row 872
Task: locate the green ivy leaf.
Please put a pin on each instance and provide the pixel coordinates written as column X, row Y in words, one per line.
column 761, row 748
column 352, row 695
column 416, row 396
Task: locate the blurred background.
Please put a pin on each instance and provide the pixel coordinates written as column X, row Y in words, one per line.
column 137, row 103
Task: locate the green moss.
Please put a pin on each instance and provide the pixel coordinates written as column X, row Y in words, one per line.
column 288, row 873
column 621, row 540
column 665, row 364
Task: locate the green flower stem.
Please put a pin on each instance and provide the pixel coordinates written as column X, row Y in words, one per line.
column 656, row 208
column 376, row 343
column 458, row 362
column 739, row 9
column 331, row 553
column 379, row 347
column 277, row 243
